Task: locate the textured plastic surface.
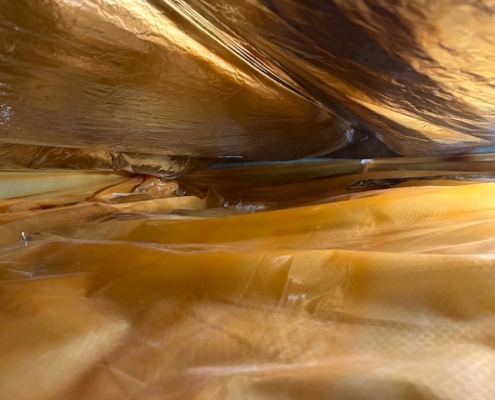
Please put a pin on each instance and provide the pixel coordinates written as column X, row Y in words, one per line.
column 30, row 157
column 137, row 76
column 262, row 79
column 145, row 291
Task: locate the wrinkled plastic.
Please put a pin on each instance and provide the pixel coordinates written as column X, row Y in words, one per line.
column 262, row 79
column 145, row 291
column 29, row 158
column 367, row 279
column 419, row 74
column 136, row 76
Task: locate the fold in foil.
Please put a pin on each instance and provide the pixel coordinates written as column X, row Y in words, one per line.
column 259, row 79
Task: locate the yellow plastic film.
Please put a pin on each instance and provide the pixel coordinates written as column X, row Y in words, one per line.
column 386, row 293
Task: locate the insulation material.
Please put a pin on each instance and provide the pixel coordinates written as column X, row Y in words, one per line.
column 146, row 291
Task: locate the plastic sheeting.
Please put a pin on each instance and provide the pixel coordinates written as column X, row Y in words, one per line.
column 365, row 279
column 150, row 290
column 29, row 158
column 262, row 79
column 136, row 76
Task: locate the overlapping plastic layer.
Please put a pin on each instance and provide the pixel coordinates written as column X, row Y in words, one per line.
column 261, row 79
column 147, row 289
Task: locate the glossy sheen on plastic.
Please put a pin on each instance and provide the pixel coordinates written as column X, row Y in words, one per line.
column 136, row 76
column 420, row 74
column 142, row 291
column 261, row 79
column 30, row 157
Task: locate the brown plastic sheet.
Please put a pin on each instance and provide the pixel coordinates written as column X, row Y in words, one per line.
column 261, row 79
column 148, row 289
column 30, row 157
column 419, row 74
column 136, row 76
